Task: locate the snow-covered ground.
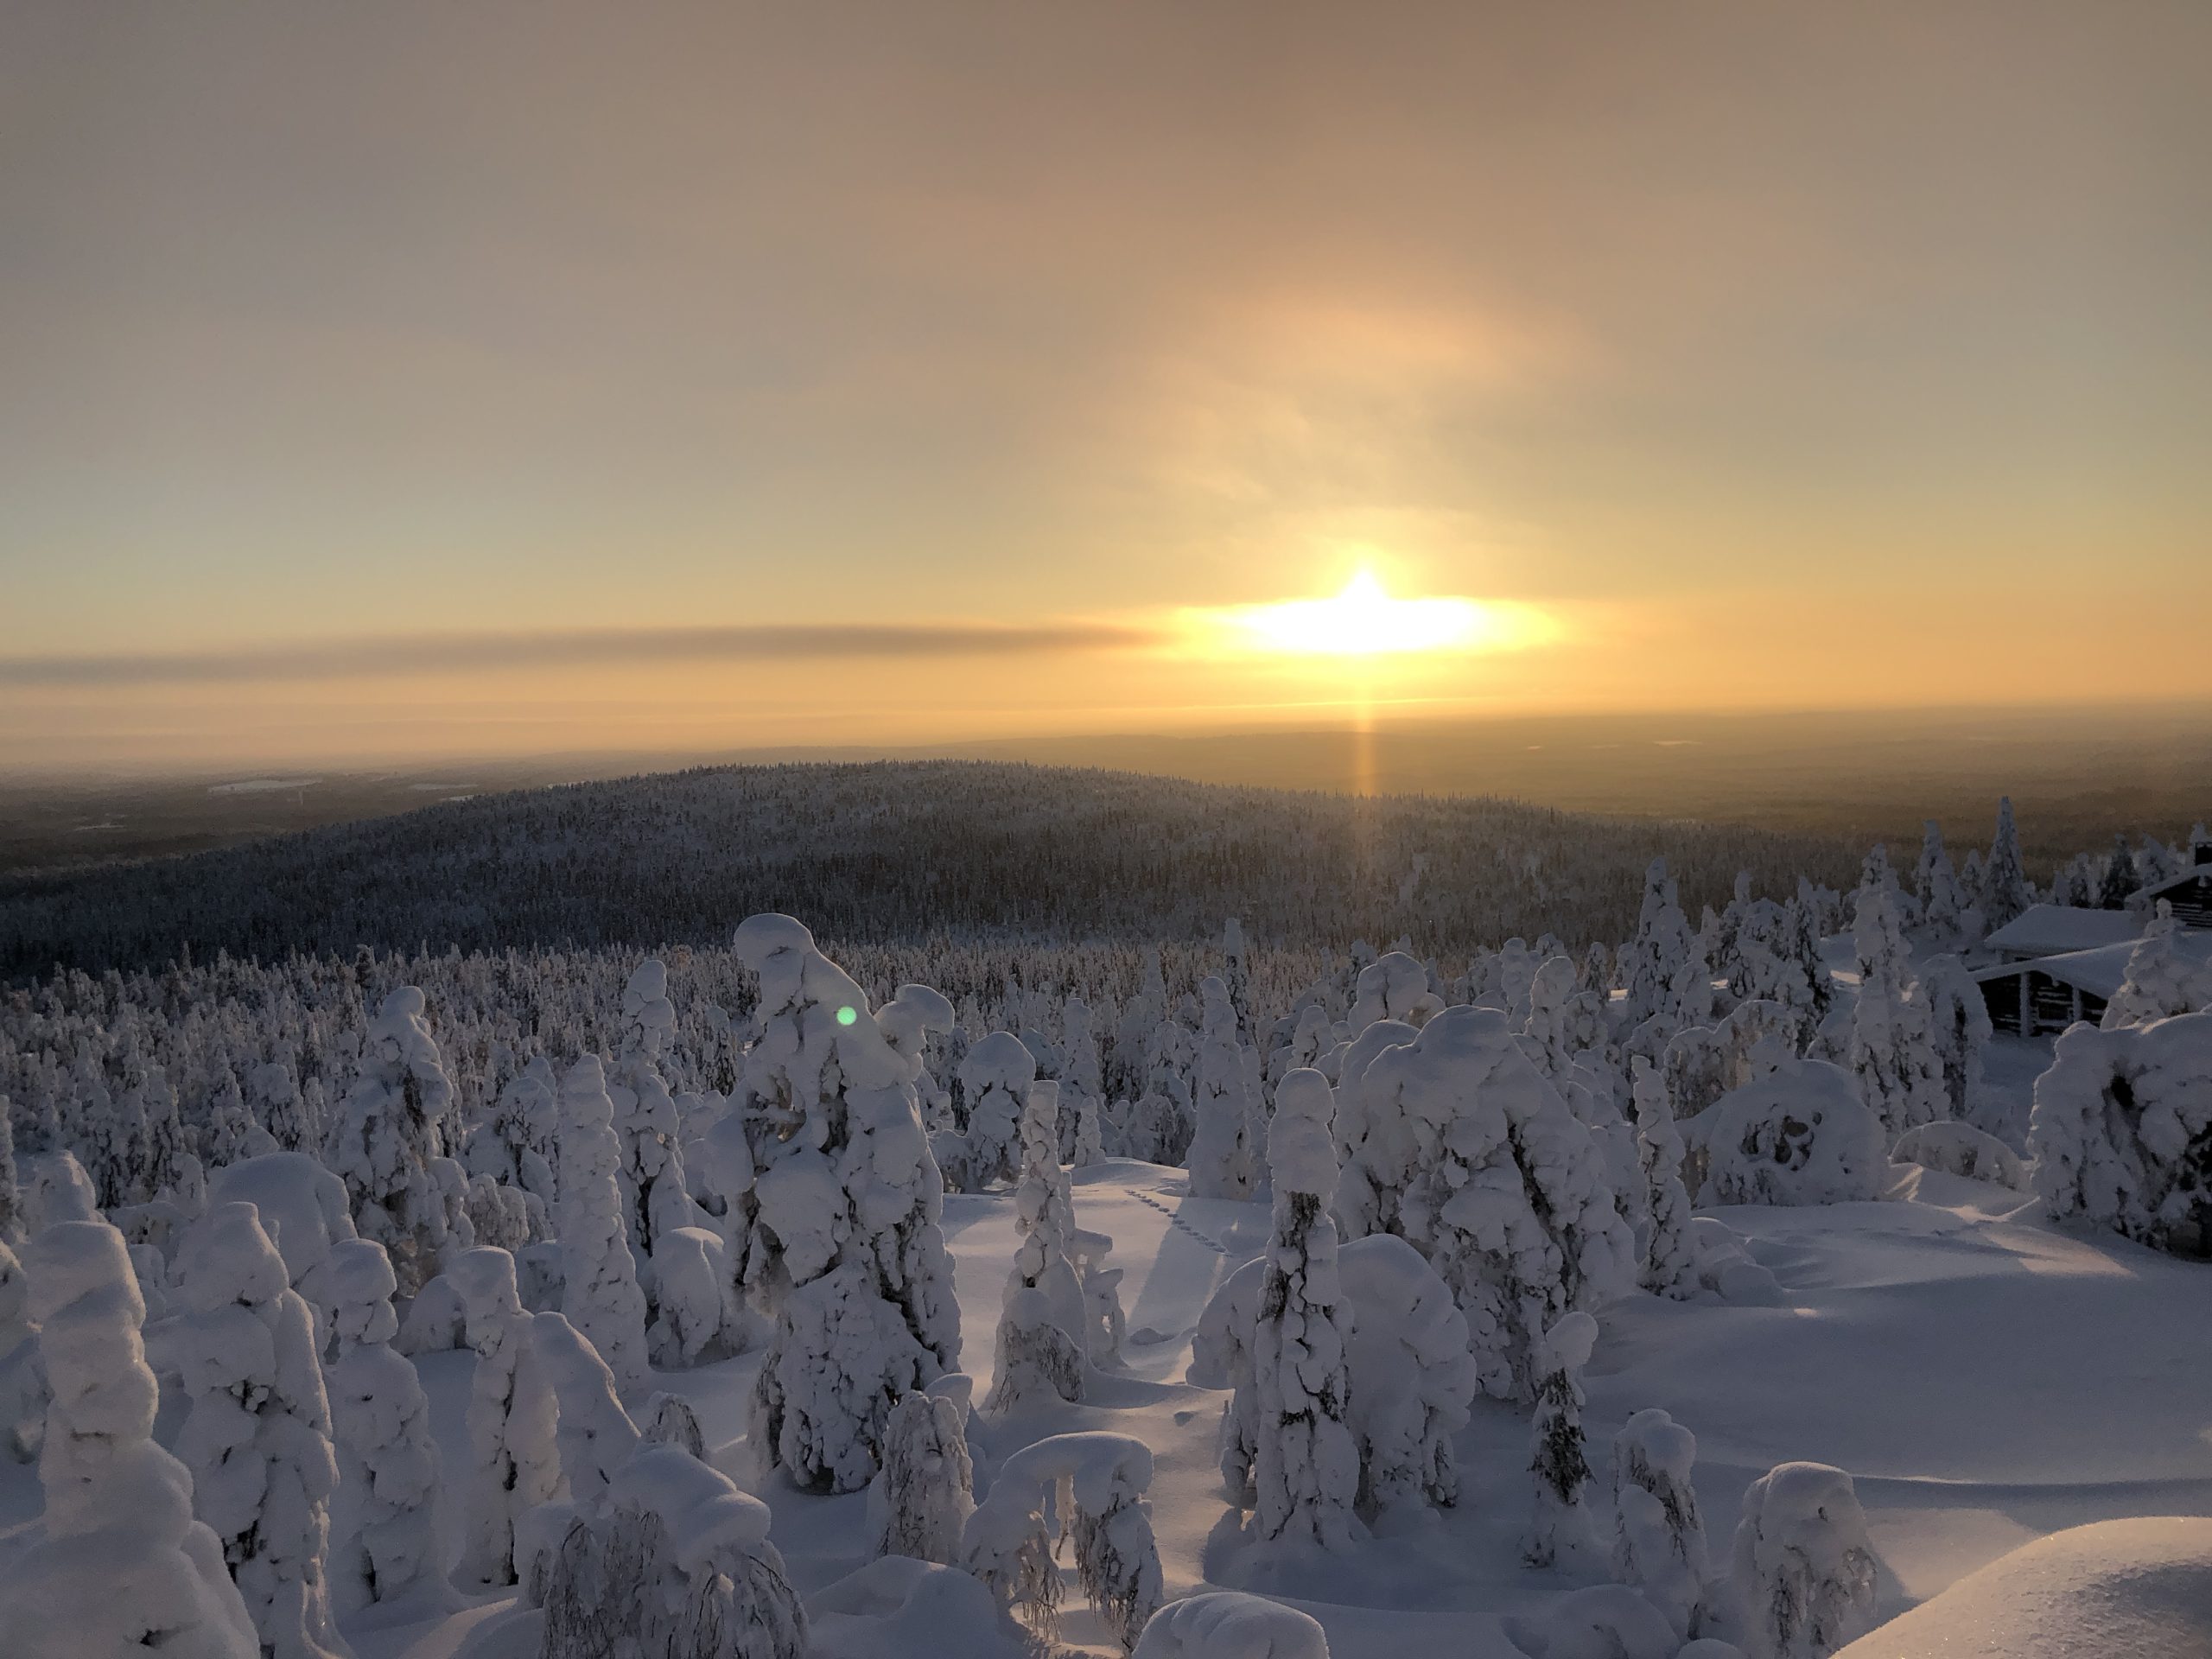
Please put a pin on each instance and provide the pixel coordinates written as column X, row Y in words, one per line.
column 1986, row 1377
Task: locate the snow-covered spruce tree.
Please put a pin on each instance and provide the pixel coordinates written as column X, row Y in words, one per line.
column 1958, row 1029
column 1668, row 1264
column 599, row 1294
column 1307, row 1470
column 2004, row 889
column 257, row 1440
column 2160, row 981
column 11, row 1220
column 646, row 1126
column 1394, row 987
column 513, row 1461
column 1804, row 1578
column 123, row 1568
column 303, row 1208
column 995, row 1077
column 1659, row 1544
column 275, row 1094
column 1508, row 1196
column 1892, row 1052
column 1561, row 1529
column 515, row 1144
column 2121, row 1131
column 1412, row 1379
column 852, row 1257
column 920, row 1502
column 1221, row 1155
column 2120, row 881
column 1935, row 886
column 1009, row 1539
column 1043, row 1329
column 381, row 1423
column 387, row 1135
column 1648, row 964
column 1082, row 1087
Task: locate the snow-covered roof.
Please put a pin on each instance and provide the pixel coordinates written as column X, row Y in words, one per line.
column 2046, row 930
column 2194, row 873
column 2099, row 971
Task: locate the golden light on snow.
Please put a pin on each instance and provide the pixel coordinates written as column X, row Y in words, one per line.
column 1365, row 619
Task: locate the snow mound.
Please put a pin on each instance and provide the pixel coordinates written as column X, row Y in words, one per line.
column 1228, row 1624
column 897, row 1606
column 2134, row 1589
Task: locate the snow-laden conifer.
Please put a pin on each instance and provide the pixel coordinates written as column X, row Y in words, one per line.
column 258, row 1440
column 387, row 1135
column 123, row 1568
column 854, row 1260
column 599, row 1294
column 1306, row 1470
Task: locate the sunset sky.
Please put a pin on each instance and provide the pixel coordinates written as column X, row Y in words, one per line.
column 453, row 378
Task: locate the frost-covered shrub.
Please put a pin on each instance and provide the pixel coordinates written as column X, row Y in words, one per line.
column 257, row 1438
column 600, row 1291
column 123, row 1568
column 1507, row 1194
column 387, row 1462
column 920, row 1502
column 1804, row 1578
column 387, row 1135
column 1961, row 1149
column 2121, row 1130
column 1798, row 1136
column 848, row 1247
column 1559, row 1462
column 1228, row 1624
column 673, row 1561
column 1659, row 1543
column 1412, row 1378
column 513, row 1461
column 1091, row 1485
column 1306, row 1473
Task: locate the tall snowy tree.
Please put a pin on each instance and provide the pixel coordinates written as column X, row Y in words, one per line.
column 2004, row 889
column 849, row 1200
column 387, row 1135
column 600, row 1291
column 388, row 1464
column 1222, row 1149
column 2120, row 881
column 2160, row 981
column 1041, row 1332
column 124, row 1568
column 1958, row 1027
column 513, row 1460
column 1893, row 1051
column 258, row 1438
column 1561, row 1529
column 1307, row 1470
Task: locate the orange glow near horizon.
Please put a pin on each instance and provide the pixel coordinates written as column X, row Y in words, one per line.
column 1364, row 620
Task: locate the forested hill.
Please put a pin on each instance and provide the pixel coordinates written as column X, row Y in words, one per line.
column 896, row 850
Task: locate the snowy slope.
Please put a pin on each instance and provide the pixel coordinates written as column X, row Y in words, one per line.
column 1961, row 1359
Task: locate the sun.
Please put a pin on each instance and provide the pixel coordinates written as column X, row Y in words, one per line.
column 1363, row 620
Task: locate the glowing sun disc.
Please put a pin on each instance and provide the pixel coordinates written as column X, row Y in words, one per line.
column 1364, row 620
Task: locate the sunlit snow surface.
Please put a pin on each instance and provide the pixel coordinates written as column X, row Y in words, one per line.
column 1985, row 1377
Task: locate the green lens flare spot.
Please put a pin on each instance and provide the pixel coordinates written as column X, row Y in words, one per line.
column 846, row 1016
